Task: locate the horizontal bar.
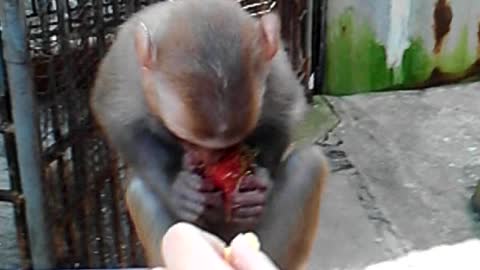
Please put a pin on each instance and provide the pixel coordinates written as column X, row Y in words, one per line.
column 10, row 196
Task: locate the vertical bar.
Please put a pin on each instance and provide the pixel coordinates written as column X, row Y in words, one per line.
column 100, row 28
column 320, row 46
column 13, row 174
column 116, row 190
column 308, row 47
column 24, row 112
column 476, row 199
column 3, row 79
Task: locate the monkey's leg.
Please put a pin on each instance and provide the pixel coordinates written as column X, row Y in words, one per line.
column 150, row 218
column 289, row 227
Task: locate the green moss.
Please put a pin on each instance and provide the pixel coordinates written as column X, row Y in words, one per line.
column 416, row 63
column 460, row 58
column 356, row 62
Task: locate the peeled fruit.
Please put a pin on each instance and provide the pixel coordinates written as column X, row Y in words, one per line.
column 227, row 173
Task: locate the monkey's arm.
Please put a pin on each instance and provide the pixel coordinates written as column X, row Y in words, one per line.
column 147, row 191
column 271, row 139
column 288, row 227
column 150, row 217
column 150, row 157
column 159, row 192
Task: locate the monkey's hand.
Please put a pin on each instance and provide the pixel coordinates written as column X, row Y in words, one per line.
column 195, row 200
column 249, row 202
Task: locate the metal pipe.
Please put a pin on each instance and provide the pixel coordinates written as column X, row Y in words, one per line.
column 321, row 46
column 25, row 116
column 10, row 196
column 3, row 87
column 308, row 38
column 476, row 199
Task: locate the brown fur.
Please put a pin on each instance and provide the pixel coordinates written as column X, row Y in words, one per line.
column 190, row 63
column 306, row 232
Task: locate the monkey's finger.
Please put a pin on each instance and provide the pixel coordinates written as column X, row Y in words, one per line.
column 193, row 207
column 184, row 240
column 208, row 186
column 189, row 194
column 213, row 216
column 191, row 180
column 252, row 182
column 245, row 222
column 214, row 199
column 245, row 212
column 196, row 182
column 249, row 198
column 190, row 217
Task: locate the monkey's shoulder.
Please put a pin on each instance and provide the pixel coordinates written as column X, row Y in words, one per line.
column 284, row 99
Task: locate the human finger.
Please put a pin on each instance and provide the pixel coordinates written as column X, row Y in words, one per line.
column 244, row 257
column 186, row 247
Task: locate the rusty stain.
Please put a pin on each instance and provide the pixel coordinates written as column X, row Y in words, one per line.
column 442, row 16
column 478, row 41
column 439, row 77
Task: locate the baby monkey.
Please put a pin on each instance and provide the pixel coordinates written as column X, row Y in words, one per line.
column 195, row 79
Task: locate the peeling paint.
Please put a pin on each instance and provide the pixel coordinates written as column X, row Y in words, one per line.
column 398, row 40
column 357, row 61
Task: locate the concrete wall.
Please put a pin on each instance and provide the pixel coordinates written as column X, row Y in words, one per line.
column 396, row 44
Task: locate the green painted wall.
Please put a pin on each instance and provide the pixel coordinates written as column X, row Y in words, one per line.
column 356, row 61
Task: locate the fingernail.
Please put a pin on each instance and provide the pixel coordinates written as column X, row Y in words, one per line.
column 246, row 241
column 240, row 241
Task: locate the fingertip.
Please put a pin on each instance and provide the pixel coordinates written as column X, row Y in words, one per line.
column 245, row 257
column 174, row 232
column 186, row 240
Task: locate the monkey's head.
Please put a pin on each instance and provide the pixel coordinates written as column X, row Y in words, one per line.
column 204, row 74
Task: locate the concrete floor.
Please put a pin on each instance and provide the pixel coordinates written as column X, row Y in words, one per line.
column 404, row 166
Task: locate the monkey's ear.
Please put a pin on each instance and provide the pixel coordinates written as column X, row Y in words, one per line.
column 144, row 46
column 270, row 31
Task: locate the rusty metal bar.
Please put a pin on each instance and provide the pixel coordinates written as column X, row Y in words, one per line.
column 116, row 189
column 24, row 112
column 10, row 196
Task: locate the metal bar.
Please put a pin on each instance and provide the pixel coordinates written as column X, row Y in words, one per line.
column 11, row 154
column 476, row 199
column 116, row 190
column 3, row 79
column 24, row 111
column 320, row 45
column 10, row 196
column 308, row 46
column 22, row 235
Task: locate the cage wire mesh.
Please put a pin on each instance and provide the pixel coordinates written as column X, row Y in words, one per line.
column 82, row 177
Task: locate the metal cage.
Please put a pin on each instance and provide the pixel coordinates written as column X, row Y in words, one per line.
column 65, row 184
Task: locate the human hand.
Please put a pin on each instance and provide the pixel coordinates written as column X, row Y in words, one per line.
column 186, row 247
